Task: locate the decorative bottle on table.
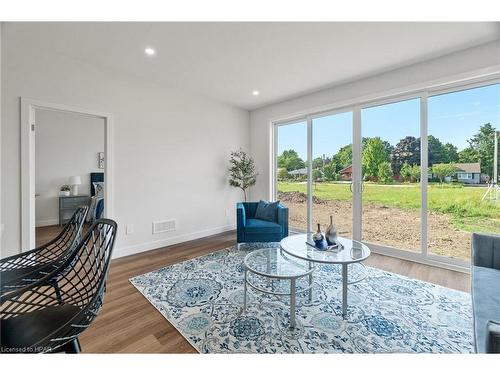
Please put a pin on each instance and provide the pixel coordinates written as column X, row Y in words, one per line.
column 331, row 233
column 319, row 239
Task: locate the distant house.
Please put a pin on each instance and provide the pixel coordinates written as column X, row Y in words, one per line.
column 467, row 173
column 298, row 172
column 346, row 173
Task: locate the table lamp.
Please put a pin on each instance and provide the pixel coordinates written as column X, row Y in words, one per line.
column 74, row 181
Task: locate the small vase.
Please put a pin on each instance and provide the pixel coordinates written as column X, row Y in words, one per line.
column 331, row 233
column 319, row 239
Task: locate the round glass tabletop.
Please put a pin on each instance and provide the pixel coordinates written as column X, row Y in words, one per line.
column 272, row 262
column 352, row 252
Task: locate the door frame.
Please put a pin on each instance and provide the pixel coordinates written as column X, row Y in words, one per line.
column 28, row 127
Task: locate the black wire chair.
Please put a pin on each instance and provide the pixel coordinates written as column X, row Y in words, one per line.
column 35, row 319
column 23, row 269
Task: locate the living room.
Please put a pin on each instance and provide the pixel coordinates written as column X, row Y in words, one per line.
column 262, row 187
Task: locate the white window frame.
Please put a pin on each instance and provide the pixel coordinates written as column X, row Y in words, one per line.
column 464, row 176
column 355, row 106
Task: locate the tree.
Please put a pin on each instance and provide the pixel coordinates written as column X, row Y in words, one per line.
column 405, row 172
column 415, row 173
column 242, row 172
column 483, row 144
column 316, row 175
column 437, row 152
column 319, row 162
column 468, row 155
column 343, row 158
column 282, row 174
column 387, row 146
column 374, row 154
column 290, row 160
column 384, row 172
column 451, row 153
column 330, row 171
column 407, row 150
column 443, row 170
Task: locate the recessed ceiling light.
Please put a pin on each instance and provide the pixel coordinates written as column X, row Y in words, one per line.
column 255, row 93
column 149, row 51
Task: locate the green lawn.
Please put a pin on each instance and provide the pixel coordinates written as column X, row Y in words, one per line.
column 463, row 203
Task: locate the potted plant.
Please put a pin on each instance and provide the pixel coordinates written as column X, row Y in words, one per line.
column 241, row 171
column 65, row 190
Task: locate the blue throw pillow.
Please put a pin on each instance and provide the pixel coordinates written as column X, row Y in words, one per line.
column 267, row 211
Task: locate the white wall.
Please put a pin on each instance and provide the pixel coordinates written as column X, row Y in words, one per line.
column 170, row 147
column 485, row 58
column 66, row 144
column 1, row 127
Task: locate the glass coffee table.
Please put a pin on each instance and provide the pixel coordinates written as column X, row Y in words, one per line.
column 272, row 264
column 352, row 252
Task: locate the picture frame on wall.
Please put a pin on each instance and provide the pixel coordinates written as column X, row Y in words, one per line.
column 100, row 160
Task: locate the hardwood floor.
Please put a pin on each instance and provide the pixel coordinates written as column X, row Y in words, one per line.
column 47, row 233
column 128, row 323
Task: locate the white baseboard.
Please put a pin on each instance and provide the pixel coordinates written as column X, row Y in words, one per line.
column 152, row 245
column 46, row 222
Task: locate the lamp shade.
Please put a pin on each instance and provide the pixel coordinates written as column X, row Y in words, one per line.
column 75, row 180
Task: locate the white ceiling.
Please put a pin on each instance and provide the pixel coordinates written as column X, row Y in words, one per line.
column 227, row 61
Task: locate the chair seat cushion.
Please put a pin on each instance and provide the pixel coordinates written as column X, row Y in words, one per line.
column 31, row 329
column 486, row 302
column 261, row 226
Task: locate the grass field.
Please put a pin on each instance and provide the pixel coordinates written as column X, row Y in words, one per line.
column 462, row 203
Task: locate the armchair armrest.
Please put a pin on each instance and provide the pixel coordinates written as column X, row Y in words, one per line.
column 486, row 250
column 283, row 218
column 240, row 215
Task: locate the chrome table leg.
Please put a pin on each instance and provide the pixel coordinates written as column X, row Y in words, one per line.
column 245, row 292
column 293, row 296
column 310, row 283
column 344, row 291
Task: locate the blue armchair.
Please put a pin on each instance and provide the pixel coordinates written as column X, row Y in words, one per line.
column 250, row 229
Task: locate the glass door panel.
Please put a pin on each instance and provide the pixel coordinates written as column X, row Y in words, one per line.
column 291, row 172
column 390, row 164
column 332, row 172
column 461, row 127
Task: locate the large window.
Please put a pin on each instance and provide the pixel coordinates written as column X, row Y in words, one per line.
column 461, row 129
column 332, row 171
column 291, row 173
column 366, row 169
column 390, row 163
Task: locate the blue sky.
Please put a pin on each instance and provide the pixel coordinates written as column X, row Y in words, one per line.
column 453, row 118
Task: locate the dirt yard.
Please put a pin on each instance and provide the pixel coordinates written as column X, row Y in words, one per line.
column 393, row 227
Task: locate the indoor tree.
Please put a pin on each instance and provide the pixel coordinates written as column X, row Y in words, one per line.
column 242, row 172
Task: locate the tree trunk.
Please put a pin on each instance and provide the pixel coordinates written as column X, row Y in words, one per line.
column 245, row 194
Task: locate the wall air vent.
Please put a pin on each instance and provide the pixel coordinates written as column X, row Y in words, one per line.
column 163, row 226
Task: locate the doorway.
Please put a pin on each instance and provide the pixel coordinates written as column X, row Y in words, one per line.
column 65, row 164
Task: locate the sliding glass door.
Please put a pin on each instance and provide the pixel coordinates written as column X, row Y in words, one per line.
column 412, row 176
column 461, row 136
column 291, row 172
column 332, row 172
column 390, row 162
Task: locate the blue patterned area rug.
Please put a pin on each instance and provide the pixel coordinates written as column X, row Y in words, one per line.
column 387, row 313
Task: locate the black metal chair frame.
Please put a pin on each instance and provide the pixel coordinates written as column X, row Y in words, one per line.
column 82, row 283
column 32, row 265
